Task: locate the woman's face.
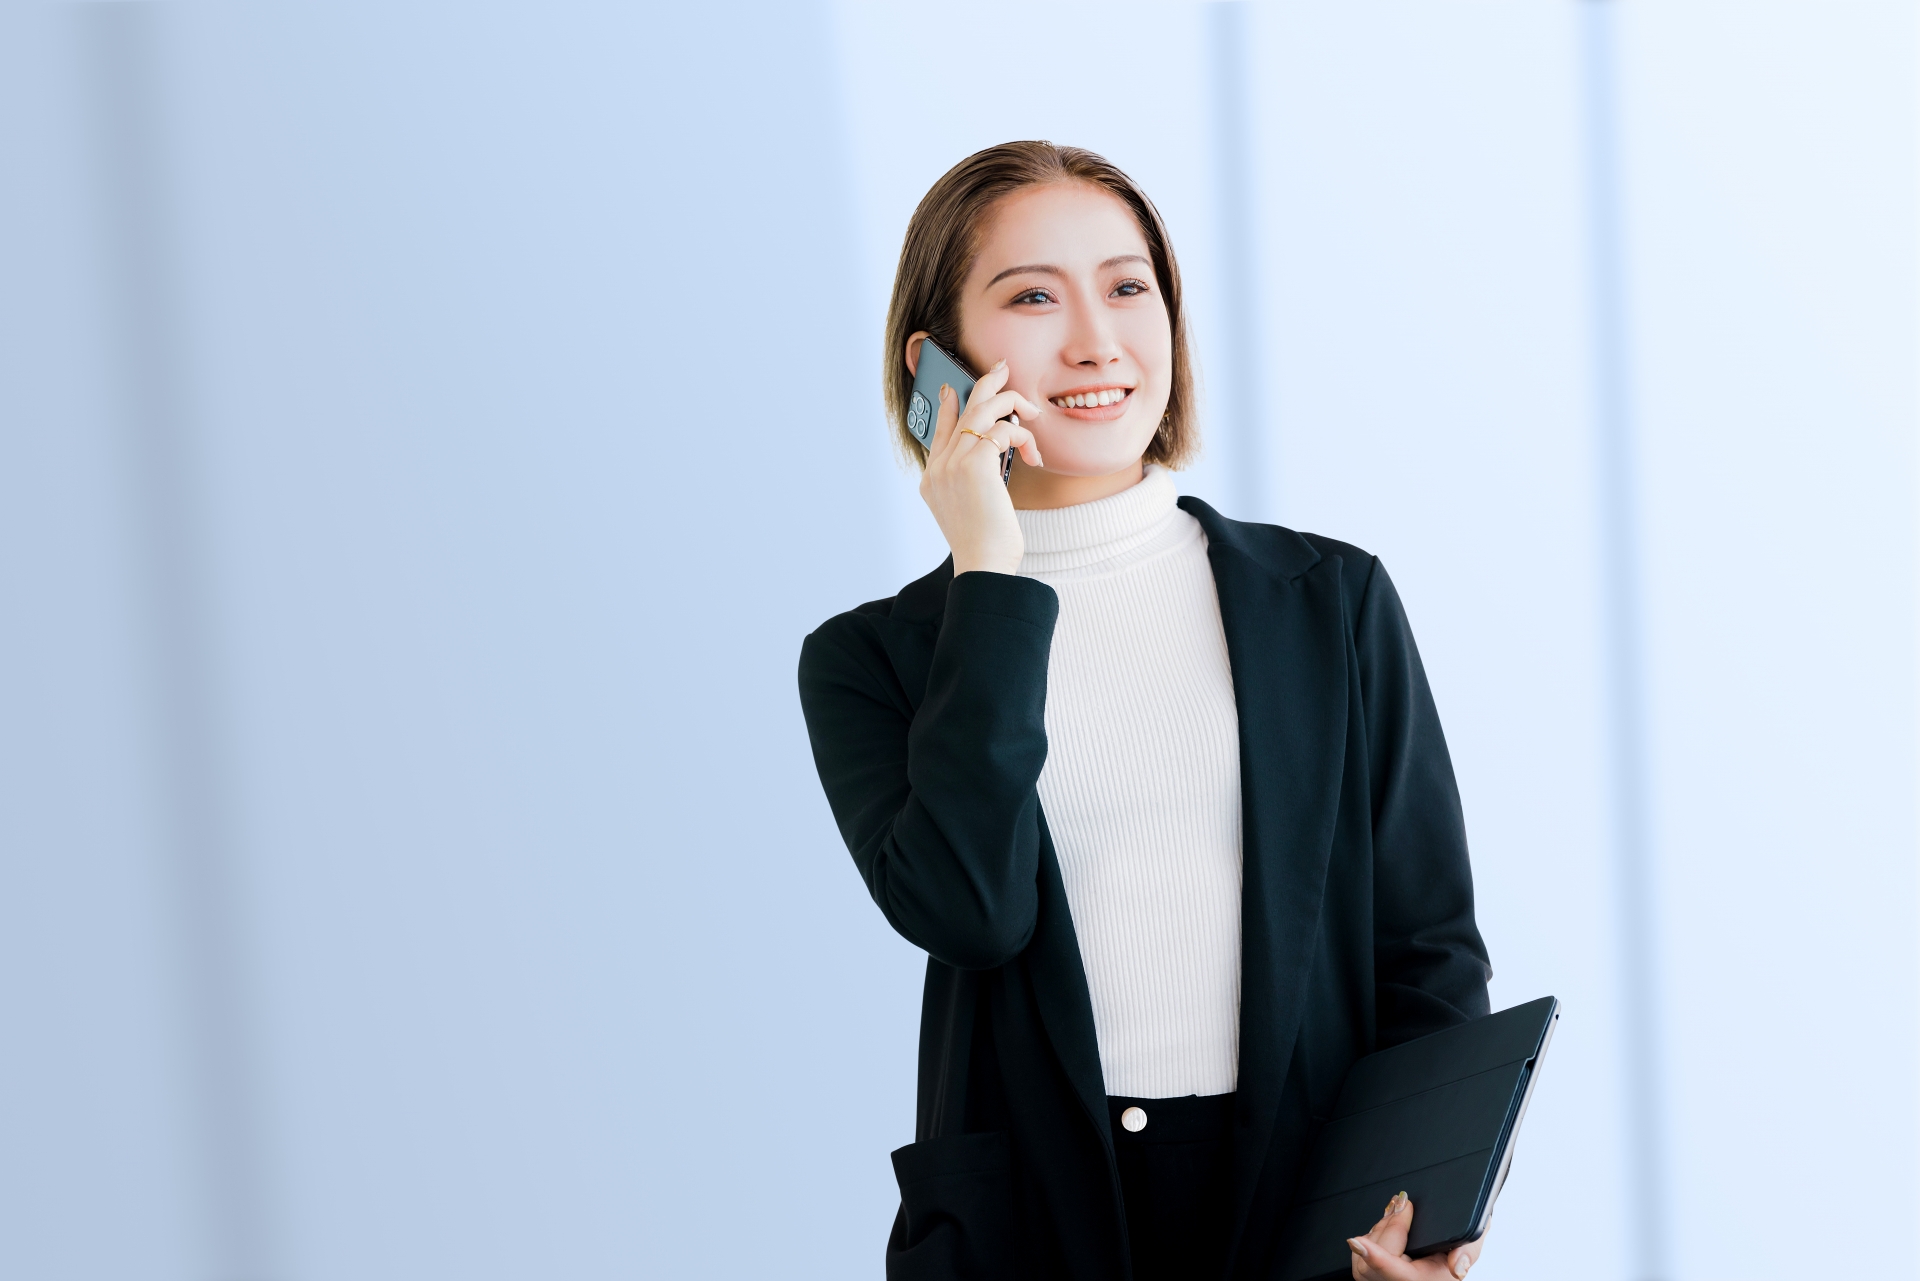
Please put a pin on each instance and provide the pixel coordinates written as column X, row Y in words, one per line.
column 1064, row 292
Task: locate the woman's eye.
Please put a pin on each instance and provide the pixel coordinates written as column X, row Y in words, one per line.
column 1032, row 297
column 1130, row 288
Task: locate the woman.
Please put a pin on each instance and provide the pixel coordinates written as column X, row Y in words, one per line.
column 1163, row 796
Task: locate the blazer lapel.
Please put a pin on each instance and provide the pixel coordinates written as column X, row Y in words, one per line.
column 1060, row 990
column 1286, row 642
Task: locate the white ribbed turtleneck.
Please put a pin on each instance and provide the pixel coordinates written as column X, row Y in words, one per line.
column 1141, row 785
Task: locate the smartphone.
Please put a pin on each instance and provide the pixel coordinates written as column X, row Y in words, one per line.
column 923, row 407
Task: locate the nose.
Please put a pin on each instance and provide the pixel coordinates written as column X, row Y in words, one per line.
column 1091, row 342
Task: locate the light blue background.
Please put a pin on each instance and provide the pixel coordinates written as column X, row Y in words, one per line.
column 517, row 394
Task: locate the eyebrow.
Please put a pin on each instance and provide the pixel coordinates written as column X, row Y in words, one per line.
column 1044, row 269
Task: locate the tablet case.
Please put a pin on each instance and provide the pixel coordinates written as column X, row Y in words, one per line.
column 1435, row 1118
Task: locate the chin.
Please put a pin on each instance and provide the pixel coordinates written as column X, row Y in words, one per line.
column 1085, row 458
column 1088, row 469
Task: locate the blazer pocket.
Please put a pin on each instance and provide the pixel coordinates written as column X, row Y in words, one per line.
column 956, row 1220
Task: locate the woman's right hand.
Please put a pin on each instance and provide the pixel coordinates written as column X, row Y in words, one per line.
column 1381, row 1255
column 961, row 484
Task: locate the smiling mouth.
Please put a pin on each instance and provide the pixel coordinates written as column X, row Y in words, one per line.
column 1092, row 399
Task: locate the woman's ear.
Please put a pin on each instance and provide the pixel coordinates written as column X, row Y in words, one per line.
column 914, row 340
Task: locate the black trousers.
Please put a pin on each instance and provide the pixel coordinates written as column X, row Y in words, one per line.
column 1176, row 1176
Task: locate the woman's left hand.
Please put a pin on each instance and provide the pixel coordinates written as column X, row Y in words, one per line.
column 1381, row 1255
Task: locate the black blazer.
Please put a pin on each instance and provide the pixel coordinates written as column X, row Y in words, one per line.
column 925, row 713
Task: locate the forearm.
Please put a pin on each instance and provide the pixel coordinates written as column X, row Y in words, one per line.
column 938, row 803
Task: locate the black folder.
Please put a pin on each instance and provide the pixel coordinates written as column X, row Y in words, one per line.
column 1435, row 1118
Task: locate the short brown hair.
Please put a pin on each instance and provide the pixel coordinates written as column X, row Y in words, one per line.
column 943, row 237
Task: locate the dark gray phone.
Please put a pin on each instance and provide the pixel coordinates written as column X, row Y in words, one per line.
column 923, row 406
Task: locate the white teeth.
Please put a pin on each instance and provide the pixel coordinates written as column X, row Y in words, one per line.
column 1091, row 399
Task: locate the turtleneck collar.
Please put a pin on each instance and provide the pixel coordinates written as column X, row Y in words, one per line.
column 1107, row 529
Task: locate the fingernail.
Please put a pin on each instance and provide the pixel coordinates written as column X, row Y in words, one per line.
column 999, row 364
column 944, row 389
column 1358, row 1246
column 1461, row 1265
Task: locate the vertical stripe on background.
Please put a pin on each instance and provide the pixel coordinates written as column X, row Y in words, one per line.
column 1646, row 1166
column 1238, row 410
column 121, row 49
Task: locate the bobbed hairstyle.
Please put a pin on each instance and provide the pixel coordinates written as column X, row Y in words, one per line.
column 943, row 239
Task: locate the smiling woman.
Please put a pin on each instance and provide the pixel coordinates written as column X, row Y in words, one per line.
column 1068, row 230
column 1163, row 795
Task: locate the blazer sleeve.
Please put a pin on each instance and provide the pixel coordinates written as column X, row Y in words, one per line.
column 939, row 806
column 1430, row 965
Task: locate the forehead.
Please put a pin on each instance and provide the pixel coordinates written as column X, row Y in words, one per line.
column 1064, row 224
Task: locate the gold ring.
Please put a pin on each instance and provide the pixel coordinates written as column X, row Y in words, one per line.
column 968, row 431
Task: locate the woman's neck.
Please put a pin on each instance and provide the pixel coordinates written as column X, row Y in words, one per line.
column 1037, row 489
